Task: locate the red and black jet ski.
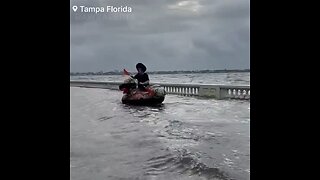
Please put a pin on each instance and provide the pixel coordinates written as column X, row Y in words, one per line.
column 152, row 95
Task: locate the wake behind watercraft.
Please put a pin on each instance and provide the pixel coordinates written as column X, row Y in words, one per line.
column 152, row 95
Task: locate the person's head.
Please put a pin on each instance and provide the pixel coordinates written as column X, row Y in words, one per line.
column 141, row 68
column 140, row 71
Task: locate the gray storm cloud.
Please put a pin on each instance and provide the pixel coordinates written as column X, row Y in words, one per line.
column 164, row 35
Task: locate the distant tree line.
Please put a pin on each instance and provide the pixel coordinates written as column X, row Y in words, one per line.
column 161, row 72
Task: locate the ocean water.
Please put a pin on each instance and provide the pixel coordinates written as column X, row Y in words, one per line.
column 204, row 78
column 184, row 138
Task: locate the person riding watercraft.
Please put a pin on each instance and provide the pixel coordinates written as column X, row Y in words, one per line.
column 141, row 76
column 144, row 94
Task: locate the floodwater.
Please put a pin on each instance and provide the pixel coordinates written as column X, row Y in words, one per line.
column 184, row 138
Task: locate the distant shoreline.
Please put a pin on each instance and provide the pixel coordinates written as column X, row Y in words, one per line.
column 160, row 72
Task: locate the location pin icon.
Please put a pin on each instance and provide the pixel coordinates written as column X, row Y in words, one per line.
column 74, row 8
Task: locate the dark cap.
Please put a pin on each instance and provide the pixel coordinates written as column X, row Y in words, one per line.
column 143, row 67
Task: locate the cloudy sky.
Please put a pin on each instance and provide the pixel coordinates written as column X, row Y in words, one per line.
column 162, row 34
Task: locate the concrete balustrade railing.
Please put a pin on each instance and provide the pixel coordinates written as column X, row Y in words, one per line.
column 234, row 92
column 181, row 89
column 96, row 84
column 203, row 90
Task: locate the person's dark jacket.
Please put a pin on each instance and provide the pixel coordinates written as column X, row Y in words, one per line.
column 141, row 79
